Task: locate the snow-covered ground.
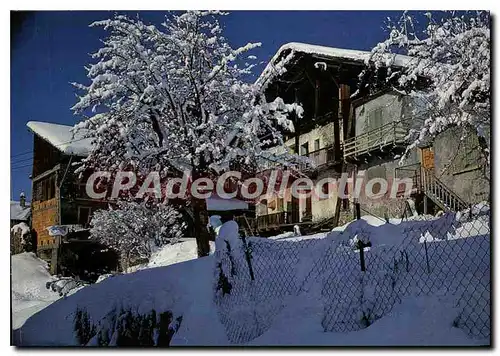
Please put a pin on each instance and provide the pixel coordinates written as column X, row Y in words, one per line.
column 416, row 321
column 184, row 250
column 29, row 294
column 293, row 317
column 185, row 288
column 324, row 270
column 30, row 275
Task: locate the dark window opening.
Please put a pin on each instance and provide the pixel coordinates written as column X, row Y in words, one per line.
column 316, row 144
column 304, row 149
column 84, row 216
column 45, row 189
column 325, row 188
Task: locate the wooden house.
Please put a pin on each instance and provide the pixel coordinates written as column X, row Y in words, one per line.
column 348, row 130
column 58, row 195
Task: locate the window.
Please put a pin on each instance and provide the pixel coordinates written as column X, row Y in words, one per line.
column 325, row 188
column 84, row 215
column 45, row 189
column 316, row 144
column 304, row 149
column 375, row 118
column 280, row 206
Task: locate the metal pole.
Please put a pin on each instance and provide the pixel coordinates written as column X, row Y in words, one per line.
column 427, row 257
column 248, row 258
column 362, row 255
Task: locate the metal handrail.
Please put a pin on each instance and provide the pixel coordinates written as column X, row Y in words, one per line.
column 433, row 185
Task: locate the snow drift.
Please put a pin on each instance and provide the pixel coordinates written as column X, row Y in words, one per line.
column 29, row 294
column 290, row 290
column 256, row 276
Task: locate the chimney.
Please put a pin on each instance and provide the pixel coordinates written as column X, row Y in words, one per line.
column 22, row 199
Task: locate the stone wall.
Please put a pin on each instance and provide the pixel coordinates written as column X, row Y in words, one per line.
column 385, row 168
column 459, row 164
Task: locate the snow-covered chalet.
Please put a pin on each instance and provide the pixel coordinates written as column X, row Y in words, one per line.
column 346, row 129
column 58, row 195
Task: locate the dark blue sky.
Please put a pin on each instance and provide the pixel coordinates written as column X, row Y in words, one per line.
column 50, row 49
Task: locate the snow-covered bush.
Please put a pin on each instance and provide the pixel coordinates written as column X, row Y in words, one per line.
column 21, row 240
column 452, row 50
column 65, row 285
column 83, row 326
column 126, row 328
column 136, row 230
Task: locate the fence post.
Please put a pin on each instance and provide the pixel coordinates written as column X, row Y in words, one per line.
column 361, row 244
column 427, row 257
column 362, row 255
column 248, row 258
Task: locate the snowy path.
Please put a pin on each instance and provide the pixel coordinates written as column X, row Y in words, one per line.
column 29, row 294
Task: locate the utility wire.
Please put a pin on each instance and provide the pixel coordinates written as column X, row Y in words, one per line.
column 60, row 144
column 21, row 160
column 14, row 168
column 22, row 153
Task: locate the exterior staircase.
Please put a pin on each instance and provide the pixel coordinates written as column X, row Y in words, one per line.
column 439, row 193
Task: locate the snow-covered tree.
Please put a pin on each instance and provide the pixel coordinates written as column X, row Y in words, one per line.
column 164, row 96
column 135, row 229
column 20, row 238
column 451, row 50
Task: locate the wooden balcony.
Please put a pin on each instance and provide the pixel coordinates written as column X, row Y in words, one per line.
column 320, row 158
column 274, row 221
column 390, row 134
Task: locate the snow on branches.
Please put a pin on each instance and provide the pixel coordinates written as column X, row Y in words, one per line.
column 452, row 51
column 136, row 230
column 159, row 95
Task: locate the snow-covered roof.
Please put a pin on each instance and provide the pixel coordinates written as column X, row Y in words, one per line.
column 17, row 212
column 327, row 53
column 61, row 137
column 216, row 203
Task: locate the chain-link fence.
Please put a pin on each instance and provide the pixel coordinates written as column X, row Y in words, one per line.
column 358, row 273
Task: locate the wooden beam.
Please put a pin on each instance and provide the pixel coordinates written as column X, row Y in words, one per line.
column 316, row 98
column 345, row 108
column 343, row 115
column 295, row 200
column 46, row 173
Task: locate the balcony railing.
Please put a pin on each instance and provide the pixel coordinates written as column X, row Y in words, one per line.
column 274, row 220
column 318, row 158
column 389, row 134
